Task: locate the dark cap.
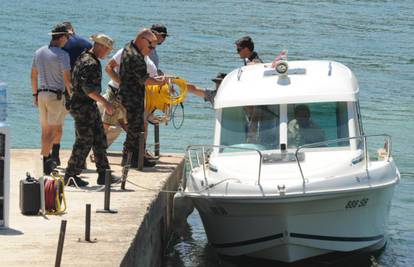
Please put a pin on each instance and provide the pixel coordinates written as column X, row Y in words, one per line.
column 220, row 76
column 160, row 29
column 59, row 29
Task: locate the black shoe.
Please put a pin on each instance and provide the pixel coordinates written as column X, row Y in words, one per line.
column 79, row 182
column 101, row 179
column 56, row 161
column 55, row 154
column 148, row 162
column 48, row 165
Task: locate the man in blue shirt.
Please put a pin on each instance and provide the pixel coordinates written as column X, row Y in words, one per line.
column 75, row 45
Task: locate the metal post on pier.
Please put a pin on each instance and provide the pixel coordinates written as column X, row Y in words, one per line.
column 141, row 151
column 157, row 139
column 60, row 243
column 107, row 199
column 88, row 226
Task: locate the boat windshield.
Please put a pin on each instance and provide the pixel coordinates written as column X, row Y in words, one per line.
column 316, row 122
column 254, row 127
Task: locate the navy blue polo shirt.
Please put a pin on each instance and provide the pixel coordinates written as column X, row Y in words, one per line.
column 75, row 46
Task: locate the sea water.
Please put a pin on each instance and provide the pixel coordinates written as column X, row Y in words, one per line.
column 372, row 37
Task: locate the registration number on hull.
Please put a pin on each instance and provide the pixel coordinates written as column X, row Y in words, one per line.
column 356, row 203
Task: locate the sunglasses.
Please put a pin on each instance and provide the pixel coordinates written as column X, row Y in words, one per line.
column 239, row 49
column 149, row 44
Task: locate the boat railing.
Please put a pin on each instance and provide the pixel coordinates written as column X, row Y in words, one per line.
column 384, row 153
column 198, row 156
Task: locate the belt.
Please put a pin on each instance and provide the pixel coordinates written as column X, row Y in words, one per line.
column 113, row 89
column 50, row 90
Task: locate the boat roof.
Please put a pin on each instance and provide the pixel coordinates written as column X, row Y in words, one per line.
column 307, row 81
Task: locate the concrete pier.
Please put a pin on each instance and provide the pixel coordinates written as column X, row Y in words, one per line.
column 135, row 236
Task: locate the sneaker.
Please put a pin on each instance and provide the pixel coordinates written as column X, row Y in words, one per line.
column 79, row 182
column 101, row 179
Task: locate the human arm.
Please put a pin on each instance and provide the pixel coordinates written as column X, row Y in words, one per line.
column 98, row 98
column 110, row 70
column 33, row 77
column 195, row 90
column 67, row 81
column 156, row 81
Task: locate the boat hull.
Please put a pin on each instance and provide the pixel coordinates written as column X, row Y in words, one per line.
column 289, row 229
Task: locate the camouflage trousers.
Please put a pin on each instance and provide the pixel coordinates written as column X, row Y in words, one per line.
column 89, row 134
column 135, row 118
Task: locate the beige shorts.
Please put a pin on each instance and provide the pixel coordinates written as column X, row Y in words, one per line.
column 119, row 114
column 51, row 110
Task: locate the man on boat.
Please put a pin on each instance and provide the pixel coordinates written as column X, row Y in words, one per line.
column 160, row 32
column 207, row 94
column 87, row 77
column 245, row 49
column 50, row 77
column 302, row 130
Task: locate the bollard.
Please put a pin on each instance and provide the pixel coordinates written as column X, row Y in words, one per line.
column 141, row 151
column 107, row 199
column 125, row 170
column 88, row 225
column 157, row 139
column 60, row 243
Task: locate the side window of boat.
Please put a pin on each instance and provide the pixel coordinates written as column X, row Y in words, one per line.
column 317, row 122
column 233, row 126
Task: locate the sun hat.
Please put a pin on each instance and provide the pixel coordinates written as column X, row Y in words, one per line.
column 103, row 39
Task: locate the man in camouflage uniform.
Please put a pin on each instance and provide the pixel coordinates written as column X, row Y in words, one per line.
column 134, row 77
column 86, row 77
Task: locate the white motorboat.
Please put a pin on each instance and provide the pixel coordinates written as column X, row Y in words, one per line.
column 291, row 174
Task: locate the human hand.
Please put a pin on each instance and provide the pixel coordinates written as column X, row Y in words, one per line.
column 35, row 101
column 109, row 108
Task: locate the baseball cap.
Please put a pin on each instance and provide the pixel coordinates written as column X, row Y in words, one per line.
column 159, row 28
column 59, row 29
column 220, row 76
column 103, row 39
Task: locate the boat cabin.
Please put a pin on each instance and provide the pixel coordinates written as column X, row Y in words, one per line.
column 261, row 109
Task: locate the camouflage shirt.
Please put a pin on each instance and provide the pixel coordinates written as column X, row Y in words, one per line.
column 132, row 73
column 86, row 78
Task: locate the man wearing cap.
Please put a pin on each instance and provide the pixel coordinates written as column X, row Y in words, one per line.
column 133, row 78
column 50, row 77
column 208, row 95
column 245, row 49
column 74, row 47
column 86, row 77
column 160, row 32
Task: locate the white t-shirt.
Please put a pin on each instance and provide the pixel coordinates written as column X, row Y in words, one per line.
column 151, row 68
